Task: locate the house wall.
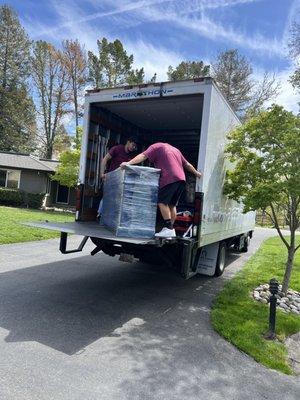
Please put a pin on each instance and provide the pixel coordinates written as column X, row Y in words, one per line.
column 33, row 181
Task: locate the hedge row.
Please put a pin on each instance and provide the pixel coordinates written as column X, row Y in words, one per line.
column 13, row 197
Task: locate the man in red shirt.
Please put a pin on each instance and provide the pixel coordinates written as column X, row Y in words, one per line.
column 172, row 180
column 118, row 154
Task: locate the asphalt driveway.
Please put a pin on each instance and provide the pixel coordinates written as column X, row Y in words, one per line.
column 84, row 328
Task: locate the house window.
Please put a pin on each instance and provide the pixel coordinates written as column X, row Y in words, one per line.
column 2, row 178
column 10, row 178
column 62, row 195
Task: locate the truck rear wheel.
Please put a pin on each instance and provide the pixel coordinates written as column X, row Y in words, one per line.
column 245, row 246
column 221, row 259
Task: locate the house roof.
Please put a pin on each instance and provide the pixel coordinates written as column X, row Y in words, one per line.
column 27, row 161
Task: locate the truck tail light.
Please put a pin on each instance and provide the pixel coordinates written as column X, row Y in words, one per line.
column 197, row 208
column 79, row 199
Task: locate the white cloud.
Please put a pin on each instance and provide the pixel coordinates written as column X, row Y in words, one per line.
column 73, row 23
column 68, row 22
column 168, row 10
column 154, row 59
column 183, row 13
column 186, row 17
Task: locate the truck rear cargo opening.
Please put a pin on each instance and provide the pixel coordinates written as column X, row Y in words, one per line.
column 176, row 121
column 193, row 116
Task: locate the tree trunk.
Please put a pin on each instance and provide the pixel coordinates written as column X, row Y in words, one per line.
column 75, row 95
column 49, row 151
column 289, row 266
column 76, row 115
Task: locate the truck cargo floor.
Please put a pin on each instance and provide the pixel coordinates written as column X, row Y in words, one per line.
column 93, row 229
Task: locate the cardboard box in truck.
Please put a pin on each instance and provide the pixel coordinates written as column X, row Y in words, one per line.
column 193, row 116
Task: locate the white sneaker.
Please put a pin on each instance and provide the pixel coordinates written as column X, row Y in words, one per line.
column 166, row 233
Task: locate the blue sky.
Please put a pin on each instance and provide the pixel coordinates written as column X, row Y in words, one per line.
column 164, row 32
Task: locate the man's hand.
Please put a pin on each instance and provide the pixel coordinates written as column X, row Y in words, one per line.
column 123, row 165
column 103, row 176
column 188, row 166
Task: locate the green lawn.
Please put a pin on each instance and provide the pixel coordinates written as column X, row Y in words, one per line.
column 11, row 231
column 243, row 321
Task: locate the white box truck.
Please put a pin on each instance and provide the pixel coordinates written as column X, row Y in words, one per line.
column 192, row 115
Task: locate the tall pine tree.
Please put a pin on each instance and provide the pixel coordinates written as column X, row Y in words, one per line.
column 188, row 70
column 234, row 76
column 17, row 113
column 112, row 66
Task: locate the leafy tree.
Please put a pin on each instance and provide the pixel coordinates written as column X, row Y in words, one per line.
column 68, row 169
column 234, row 75
column 188, row 70
column 49, row 74
column 76, row 69
column 78, row 138
column 136, row 76
column 96, row 75
column 265, row 152
column 17, row 120
column 17, row 113
column 112, row 66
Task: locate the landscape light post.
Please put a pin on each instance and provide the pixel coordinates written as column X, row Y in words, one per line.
column 273, row 287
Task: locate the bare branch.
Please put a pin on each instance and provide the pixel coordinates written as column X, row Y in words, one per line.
column 265, row 90
column 49, row 74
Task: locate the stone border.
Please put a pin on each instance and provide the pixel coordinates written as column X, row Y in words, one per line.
column 288, row 303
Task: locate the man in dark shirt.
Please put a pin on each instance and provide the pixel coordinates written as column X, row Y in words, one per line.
column 172, row 180
column 118, row 154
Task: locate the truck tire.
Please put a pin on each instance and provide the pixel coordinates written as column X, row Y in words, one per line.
column 221, row 259
column 244, row 249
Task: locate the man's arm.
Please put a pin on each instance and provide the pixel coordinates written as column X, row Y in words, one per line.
column 136, row 160
column 193, row 170
column 103, row 164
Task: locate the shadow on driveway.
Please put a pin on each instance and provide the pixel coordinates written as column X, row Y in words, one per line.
column 67, row 305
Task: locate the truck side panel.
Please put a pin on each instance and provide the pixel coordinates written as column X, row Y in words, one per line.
column 221, row 218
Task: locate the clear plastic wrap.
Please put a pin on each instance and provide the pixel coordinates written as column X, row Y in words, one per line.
column 130, row 201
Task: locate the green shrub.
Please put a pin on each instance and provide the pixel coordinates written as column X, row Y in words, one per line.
column 14, row 197
column 11, row 197
column 33, row 200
